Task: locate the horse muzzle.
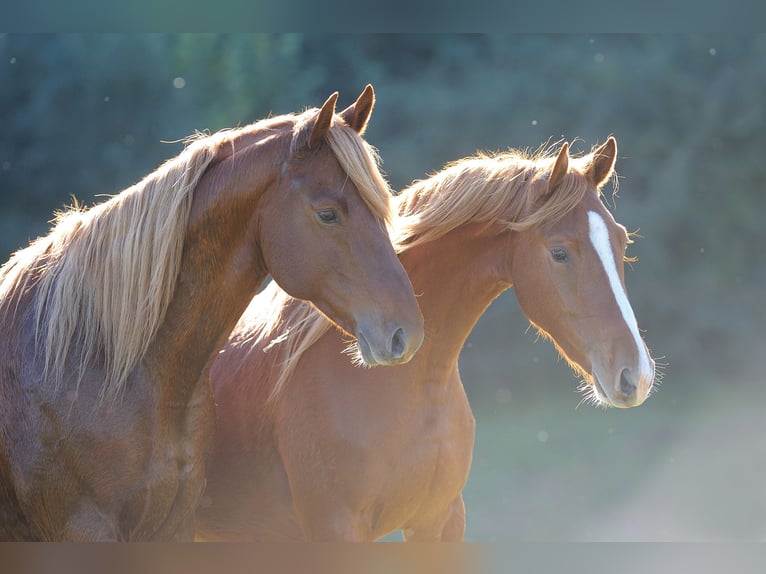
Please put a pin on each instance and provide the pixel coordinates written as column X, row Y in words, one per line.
column 396, row 346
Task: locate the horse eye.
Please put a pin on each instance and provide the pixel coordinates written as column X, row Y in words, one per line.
column 327, row 216
column 559, row 255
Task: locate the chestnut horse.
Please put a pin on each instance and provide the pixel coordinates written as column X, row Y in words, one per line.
column 309, row 446
column 109, row 324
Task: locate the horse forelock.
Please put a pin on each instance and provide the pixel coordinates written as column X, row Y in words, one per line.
column 358, row 159
column 105, row 275
column 361, row 163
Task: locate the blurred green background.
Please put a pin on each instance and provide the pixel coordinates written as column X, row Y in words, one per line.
column 83, row 115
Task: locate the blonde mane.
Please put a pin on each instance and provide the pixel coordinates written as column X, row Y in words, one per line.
column 504, row 187
column 105, row 276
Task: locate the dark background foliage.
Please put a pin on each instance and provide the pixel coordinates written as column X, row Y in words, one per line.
column 86, row 115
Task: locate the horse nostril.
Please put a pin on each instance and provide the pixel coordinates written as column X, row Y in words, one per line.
column 627, row 386
column 398, row 343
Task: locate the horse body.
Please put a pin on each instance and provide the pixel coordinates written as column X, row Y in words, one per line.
column 354, row 454
column 268, row 487
column 88, row 455
column 334, row 452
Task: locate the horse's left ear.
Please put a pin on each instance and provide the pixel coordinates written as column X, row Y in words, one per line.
column 560, row 168
column 603, row 163
column 358, row 114
column 323, row 121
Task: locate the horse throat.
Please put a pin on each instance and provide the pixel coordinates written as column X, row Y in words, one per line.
column 455, row 280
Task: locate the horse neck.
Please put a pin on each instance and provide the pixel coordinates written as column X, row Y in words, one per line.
column 220, row 271
column 456, row 279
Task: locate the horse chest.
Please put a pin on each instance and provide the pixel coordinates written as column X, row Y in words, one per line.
column 172, row 485
column 431, row 465
column 175, row 476
column 134, row 473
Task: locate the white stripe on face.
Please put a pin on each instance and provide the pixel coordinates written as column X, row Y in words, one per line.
column 599, row 237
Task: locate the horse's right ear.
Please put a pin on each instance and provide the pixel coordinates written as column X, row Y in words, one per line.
column 323, row 121
column 358, row 114
column 603, row 163
column 560, row 168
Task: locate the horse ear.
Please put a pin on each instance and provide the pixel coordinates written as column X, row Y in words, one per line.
column 560, row 168
column 358, row 114
column 323, row 121
column 603, row 163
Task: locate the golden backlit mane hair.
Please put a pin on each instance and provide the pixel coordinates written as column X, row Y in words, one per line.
column 105, row 276
column 507, row 187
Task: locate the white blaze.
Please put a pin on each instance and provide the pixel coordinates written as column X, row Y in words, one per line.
column 599, row 237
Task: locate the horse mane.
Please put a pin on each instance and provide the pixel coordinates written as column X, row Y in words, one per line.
column 506, row 187
column 105, row 276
